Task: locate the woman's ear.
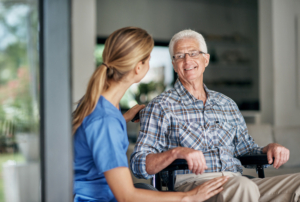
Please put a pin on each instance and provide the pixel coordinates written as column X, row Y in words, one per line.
column 138, row 67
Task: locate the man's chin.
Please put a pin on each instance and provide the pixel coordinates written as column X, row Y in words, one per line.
column 192, row 76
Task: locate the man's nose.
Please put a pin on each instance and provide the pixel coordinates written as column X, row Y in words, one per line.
column 187, row 57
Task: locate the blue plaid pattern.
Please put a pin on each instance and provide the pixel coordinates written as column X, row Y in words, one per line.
column 176, row 118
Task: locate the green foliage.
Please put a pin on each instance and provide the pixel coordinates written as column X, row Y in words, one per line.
column 18, row 56
column 18, row 106
column 10, row 60
column 98, row 54
column 146, row 89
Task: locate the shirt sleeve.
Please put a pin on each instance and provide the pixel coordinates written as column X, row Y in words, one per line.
column 152, row 138
column 107, row 141
column 244, row 143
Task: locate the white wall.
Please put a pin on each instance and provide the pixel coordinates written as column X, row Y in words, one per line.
column 266, row 72
column 279, row 71
column 83, row 45
column 287, row 113
column 298, row 50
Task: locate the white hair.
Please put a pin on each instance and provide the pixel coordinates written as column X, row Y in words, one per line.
column 188, row 33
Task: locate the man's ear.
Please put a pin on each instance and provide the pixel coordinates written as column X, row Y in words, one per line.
column 174, row 66
column 207, row 57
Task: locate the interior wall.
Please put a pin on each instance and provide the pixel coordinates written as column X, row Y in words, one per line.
column 279, row 62
column 266, row 72
column 83, row 45
column 297, row 6
column 279, row 72
column 163, row 19
column 287, row 113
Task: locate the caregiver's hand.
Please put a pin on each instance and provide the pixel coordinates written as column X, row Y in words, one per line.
column 128, row 116
column 207, row 189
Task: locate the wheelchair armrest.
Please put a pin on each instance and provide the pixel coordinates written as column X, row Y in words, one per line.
column 259, row 160
column 178, row 164
column 256, row 159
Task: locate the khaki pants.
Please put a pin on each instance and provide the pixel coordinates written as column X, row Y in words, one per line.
column 282, row 188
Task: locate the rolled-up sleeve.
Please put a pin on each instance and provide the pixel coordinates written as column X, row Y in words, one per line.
column 244, row 143
column 154, row 124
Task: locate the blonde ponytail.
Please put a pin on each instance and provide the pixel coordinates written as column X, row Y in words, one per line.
column 96, row 85
column 123, row 50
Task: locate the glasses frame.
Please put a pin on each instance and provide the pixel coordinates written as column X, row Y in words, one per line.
column 200, row 52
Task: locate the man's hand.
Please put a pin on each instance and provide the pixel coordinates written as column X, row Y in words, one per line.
column 194, row 158
column 128, row 116
column 280, row 153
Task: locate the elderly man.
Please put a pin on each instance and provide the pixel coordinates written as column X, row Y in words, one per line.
column 207, row 129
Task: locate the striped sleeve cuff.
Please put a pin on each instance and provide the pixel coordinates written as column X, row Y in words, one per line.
column 138, row 166
column 257, row 150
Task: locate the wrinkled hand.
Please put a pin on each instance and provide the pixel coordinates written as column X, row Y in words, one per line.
column 207, row 189
column 280, row 153
column 194, row 158
column 128, row 116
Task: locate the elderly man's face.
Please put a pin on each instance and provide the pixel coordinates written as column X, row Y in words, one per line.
column 189, row 69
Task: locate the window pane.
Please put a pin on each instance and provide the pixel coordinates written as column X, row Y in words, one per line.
column 19, row 97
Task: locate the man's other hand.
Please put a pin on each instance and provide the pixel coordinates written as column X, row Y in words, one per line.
column 194, row 158
column 280, row 153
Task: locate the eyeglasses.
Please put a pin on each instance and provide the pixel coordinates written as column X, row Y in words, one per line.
column 193, row 54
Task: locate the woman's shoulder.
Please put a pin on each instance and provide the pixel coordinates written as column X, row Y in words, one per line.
column 104, row 111
column 103, row 118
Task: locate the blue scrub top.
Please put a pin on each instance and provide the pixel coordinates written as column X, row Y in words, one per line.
column 100, row 144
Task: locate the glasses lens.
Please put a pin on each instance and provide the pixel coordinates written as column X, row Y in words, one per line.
column 179, row 56
column 194, row 53
column 191, row 54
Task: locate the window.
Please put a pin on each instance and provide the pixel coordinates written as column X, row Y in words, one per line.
column 19, row 97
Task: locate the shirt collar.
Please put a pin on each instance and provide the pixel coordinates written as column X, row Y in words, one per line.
column 187, row 98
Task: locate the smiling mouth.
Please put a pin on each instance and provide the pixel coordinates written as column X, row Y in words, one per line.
column 190, row 69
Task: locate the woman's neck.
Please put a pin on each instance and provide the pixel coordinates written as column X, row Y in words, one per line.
column 115, row 92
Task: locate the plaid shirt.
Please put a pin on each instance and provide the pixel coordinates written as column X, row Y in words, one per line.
column 176, row 118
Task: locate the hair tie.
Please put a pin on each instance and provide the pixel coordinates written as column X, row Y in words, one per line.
column 105, row 65
column 110, row 70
